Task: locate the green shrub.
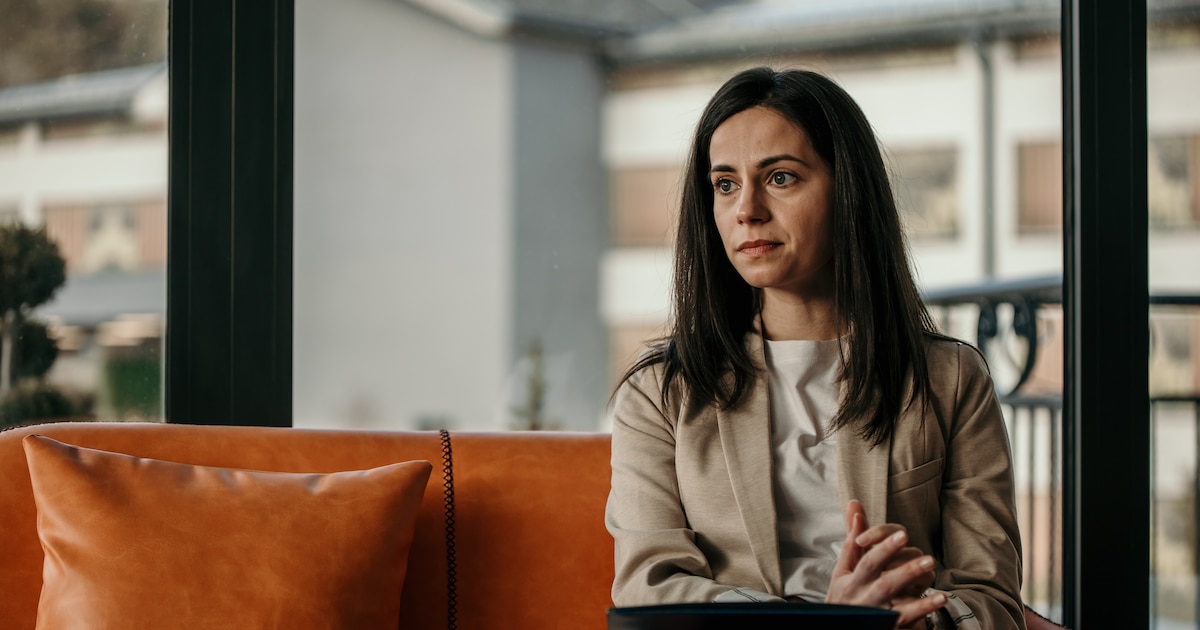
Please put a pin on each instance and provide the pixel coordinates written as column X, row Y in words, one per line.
column 32, row 402
column 34, row 351
column 134, row 385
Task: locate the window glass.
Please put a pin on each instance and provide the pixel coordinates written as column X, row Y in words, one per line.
column 484, row 231
column 83, row 161
column 1173, row 188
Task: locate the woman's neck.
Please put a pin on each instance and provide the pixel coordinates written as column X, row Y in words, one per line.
column 787, row 315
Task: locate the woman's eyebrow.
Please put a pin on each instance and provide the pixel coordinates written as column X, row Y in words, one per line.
column 765, row 162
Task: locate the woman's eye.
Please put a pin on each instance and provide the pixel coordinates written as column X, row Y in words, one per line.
column 782, row 179
column 726, row 186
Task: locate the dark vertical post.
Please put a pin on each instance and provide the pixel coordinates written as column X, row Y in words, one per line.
column 229, row 258
column 1105, row 299
column 1196, row 511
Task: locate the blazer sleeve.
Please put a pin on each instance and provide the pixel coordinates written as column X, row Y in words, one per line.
column 981, row 543
column 657, row 560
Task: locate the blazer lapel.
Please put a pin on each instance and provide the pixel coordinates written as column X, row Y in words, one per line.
column 863, row 472
column 746, row 441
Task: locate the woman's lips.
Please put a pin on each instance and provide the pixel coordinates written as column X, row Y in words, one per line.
column 756, row 248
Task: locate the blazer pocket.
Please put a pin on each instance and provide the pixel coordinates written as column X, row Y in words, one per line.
column 914, row 477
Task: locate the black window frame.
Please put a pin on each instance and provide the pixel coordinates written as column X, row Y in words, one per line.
column 229, row 220
column 229, row 269
column 1106, row 400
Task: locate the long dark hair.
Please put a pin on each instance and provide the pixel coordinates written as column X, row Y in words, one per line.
column 876, row 298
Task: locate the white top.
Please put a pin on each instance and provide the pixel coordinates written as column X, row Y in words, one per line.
column 804, row 397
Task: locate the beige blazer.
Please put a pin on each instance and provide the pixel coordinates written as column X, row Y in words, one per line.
column 692, row 513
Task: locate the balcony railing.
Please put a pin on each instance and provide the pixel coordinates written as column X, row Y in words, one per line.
column 1018, row 325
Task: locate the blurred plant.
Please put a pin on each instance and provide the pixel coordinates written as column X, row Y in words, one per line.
column 34, row 351
column 532, row 415
column 134, row 385
column 33, row 400
column 31, row 270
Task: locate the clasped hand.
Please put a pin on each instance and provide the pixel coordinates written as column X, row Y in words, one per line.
column 876, row 568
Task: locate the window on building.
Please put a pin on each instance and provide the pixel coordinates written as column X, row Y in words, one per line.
column 925, row 182
column 643, row 205
column 122, row 236
column 1174, row 182
column 1039, row 183
column 1175, row 352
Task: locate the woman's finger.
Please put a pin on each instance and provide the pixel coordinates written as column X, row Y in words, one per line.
column 851, row 553
column 913, row 609
column 923, row 582
column 856, row 524
column 855, row 508
column 874, row 561
column 878, row 534
column 901, row 581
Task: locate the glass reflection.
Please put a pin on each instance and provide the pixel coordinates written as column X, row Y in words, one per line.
column 83, row 156
column 1173, row 187
column 484, row 222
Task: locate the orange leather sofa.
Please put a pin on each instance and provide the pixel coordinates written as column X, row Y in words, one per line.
column 510, row 533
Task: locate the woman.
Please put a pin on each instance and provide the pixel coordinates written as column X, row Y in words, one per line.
column 802, row 432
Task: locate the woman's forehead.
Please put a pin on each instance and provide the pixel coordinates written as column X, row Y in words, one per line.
column 757, row 133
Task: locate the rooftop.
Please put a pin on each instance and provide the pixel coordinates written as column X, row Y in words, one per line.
column 632, row 31
column 100, row 297
column 97, row 93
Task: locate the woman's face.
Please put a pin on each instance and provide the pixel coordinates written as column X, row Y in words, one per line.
column 771, row 202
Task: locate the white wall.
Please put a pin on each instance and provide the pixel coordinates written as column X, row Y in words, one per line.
column 402, row 211
column 560, row 233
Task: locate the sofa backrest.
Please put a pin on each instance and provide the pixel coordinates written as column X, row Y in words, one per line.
column 526, row 535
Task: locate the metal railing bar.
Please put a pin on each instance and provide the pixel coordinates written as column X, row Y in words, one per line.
column 1055, row 504
column 1042, row 288
column 1050, row 401
column 1174, row 300
column 1031, row 435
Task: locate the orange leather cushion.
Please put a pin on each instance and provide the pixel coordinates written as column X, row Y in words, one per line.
column 143, row 543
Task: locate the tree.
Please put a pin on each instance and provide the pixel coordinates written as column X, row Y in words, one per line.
column 31, row 270
column 34, row 350
column 47, row 39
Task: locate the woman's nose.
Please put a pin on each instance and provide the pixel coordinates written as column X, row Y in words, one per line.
column 750, row 208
